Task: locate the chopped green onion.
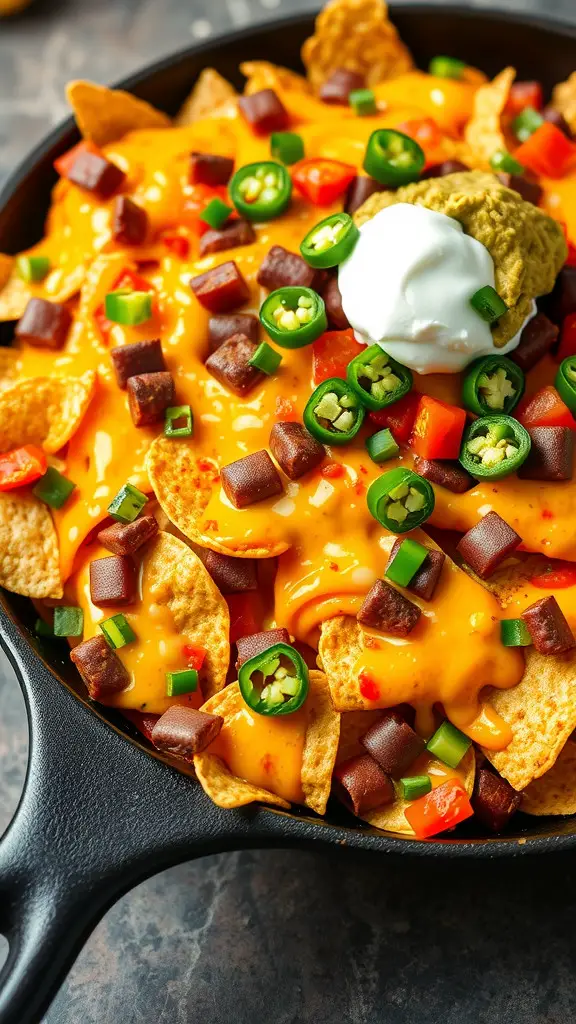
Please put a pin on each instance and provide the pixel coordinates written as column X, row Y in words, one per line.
column 287, row 147
column 128, row 308
column 406, row 562
column 382, row 446
column 68, row 621
column 32, row 268
column 53, row 488
column 415, row 786
column 514, row 633
column 216, row 213
column 488, row 304
column 127, row 504
column 363, row 102
column 446, row 67
column 503, row 161
column 178, row 683
column 527, row 122
column 43, row 629
column 117, row 631
column 179, row 421
column 448, row 744
column 265, row 359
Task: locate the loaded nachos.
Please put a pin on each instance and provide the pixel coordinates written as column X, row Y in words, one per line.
column 286, row 429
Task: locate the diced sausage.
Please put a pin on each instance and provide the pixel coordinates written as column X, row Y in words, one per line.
column 112, row 580
column 149, row 395
column 337, row 318
column 359, row 190
column 494, row 801
column 444, row 168
column 337, row 88
column 556, row 118
column 230, row 364
column 185, row 731
column 95, row 174
column 249, row 646
column 220, row 328
column 530, row 191
column 294, row 449
column 562, row 300
column 234, row 233
column 548, row 626
column 393, row 743
column 281, row 268
column 137, row 358
column 126, row 538
column 537, row 338
column 44, row 324
column 361, row 785
column 487, row 544
column 446, row 473
column 207, row 169
column 100, row 668
column 231, row 575
column 387, row 610
column 129, row 222
column 251, row 479
column 264, row 112
column 221, row 289
column 551, row 454
column 425, row 580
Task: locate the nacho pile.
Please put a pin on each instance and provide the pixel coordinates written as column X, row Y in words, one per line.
column 287, row 423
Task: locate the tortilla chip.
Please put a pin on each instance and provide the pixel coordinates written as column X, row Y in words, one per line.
column 541, row 711
column 9, row 367
column 392, row 818
column 199, row 611
column 29, row 563
column 45, row 411
column 183, row 484
column 106, row 115
column 564, row 100
column 320, row 745
column 14, row 293
column 261, row 74
column 484, row 133
column 210, row 93
column 509, row 578
column 357, row 35
column 340, row 647
column 6, row 266
column 554, row 792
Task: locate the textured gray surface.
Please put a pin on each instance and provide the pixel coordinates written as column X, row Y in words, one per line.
column 277, row 937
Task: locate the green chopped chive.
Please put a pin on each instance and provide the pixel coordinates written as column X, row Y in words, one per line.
column 53, row 488
column 127, row 504
column 363, row 102
column 216, row 213
column 415, row 786
column 32, row 268
column 406, row 562
column 128, row 308
column 178, row 683
column 287, row 147
column 43, row 629
column 527, row 122
column 382, row 446
column 265, row 359
column 117, row 631
column 488, row 304
column 503, row 161
column 179, row 421
column 68, row 621
column 514, row 633
column 448, row 744
column 446, row 67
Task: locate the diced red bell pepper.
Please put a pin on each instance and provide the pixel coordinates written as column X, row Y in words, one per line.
column 285, row 410
column 545, row 409
column 322, row 181
column 559, row 577
column 522, row 95
column 332, row 470
column 245, row 615
column 547, row 152
column 571, row 257
column 129, row 279
column 177, row 244
column 368, row 687
column 197, row 201
column 567, row 346
column 443, row 808
column 64, row 163
column 399, row 417
column 332, row 352
column 195, row 656
column 21, row 466
column 438, row 429
column 144, row 723
column 426, row 133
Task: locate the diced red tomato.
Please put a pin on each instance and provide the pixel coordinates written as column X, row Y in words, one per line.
column 245, row 617
column 438, row 429
column 63, row 164
column 559, row 577
column 332, row 471
column 129, row 279
column 332, row 352
column 322, row 181
column 443, row 808
column 144, row 723
column 522, row 95
column 195, row 656
column 545, row 409
column 196, row 202
column 547, row 152
column 567, row 346
column 426, row 133
column 285, row 410
column 399, row 417
column 177, row 244
column 368, row 687
column 21, row 466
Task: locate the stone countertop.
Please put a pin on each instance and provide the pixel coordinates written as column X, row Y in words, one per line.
column 276, row 937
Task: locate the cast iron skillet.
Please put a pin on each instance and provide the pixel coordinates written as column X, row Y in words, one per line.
column 100, row 812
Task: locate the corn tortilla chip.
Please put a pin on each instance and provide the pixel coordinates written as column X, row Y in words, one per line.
column 14, row 296
column 45, row 411
column 353, row 725
column 9, row 367
column 392, row 818
column 554, row 792
column 105, row 115
column 320, row 746
column 509, row 578
column 6, row 266
column 357, row 35
column 29, row 563
column 564, row 100
column 183, row 484
column 210, row 93
column 340, row 647
column 484, row 133
column 261, row 74
column 199, row 611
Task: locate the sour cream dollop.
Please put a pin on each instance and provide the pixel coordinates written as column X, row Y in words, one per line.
column 407, row 287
